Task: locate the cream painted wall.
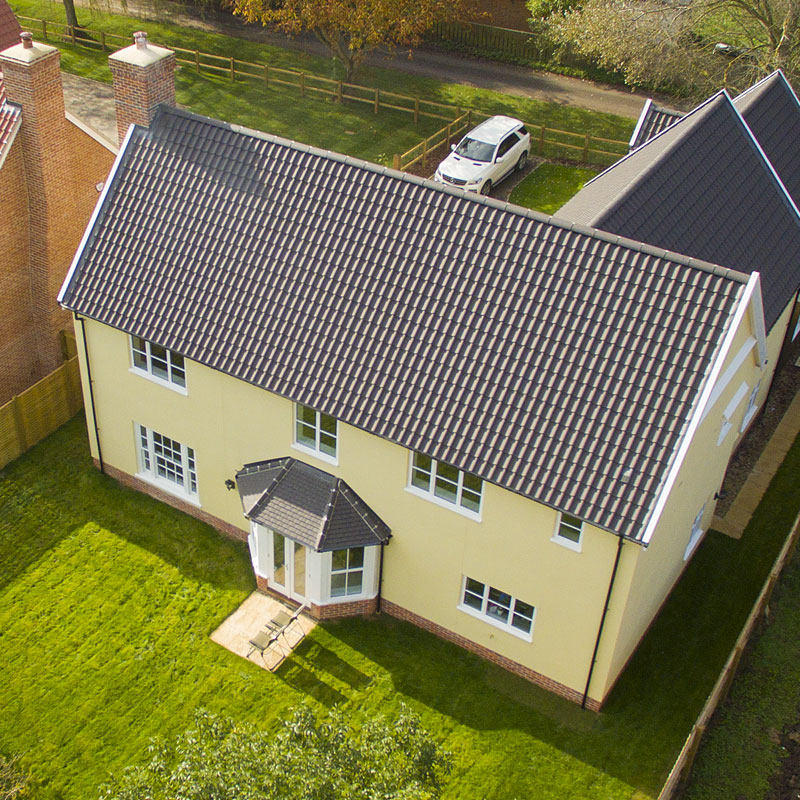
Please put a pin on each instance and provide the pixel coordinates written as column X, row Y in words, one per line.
column 659, row 566
column 228, row 423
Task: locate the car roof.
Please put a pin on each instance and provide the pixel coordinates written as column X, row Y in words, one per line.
column 494, row 129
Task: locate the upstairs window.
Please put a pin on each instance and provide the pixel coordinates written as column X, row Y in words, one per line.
column 158, row 362
column 315, row 431
column 569, row 531
column 498, row 607
column 445, row 483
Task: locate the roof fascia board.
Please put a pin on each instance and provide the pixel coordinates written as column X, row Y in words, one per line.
column 95, row 214
column 697, row 415
column 759, row 326
column 642, row 116
column 10, row 140
column 789, row 87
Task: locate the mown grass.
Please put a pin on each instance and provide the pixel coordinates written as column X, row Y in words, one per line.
column 549, row 186
column 107, row 598
column 311, row 120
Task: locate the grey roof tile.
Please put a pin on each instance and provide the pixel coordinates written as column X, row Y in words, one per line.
column 544, row 357
column 652, row 121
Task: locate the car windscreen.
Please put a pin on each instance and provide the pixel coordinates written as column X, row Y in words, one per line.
column 475, row 150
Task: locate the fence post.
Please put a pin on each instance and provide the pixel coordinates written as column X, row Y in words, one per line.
column 449, row 132
column 72, row 34
column 396, row 161
column 377, row 99
column 70, row 395
column 416, row 110
column 469, row 118
column 233, row 70
column 424, row 152
column 541, row 140
column 19, row 424
column 339, row 92
column 103, row 40
column 197, row 59
column 303, row 84
column 44, row 30
column 266, row 75
column 586, row 150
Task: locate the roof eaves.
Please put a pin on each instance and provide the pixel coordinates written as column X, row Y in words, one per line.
column 640, row 121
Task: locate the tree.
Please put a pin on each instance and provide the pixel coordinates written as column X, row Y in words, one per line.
column 677, row 43
column 352, row 28
column 14, row 781
column 309, row 758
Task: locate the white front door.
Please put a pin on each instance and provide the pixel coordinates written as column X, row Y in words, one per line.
column 289, row 565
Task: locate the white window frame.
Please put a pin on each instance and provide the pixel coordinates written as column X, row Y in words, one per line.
column 430, row 493
column 151, row 446
column 147, row 372
column 696, row 534
column 346, row 571
column 484, row 615
column 558, row 538
column 730, row 410
column 315, row 450
column 752, row 408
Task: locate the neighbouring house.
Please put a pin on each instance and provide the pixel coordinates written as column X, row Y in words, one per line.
column 50, row 169
column 505, row 428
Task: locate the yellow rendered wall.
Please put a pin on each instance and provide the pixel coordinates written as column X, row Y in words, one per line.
column 659, row 566
column 229, row 423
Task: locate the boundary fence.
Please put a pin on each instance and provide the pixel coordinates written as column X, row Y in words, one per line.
column 683, row 765
column 545, row 142
column 35, row 413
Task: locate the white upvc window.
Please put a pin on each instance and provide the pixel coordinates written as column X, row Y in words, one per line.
column 157, row 363
column 730, row 410
column 696, row 534
column 347, row 572
column 497, row 607
column 751, row 409
column 315, row 432
column 568, row 532
column 166, row 462
column 445, row 484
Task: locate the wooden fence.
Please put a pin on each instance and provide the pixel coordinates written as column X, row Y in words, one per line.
column 35, row 413
column 546, row 142
column 680, row 771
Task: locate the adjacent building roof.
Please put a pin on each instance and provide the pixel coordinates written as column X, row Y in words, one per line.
column 9, row 27
column 652, row 121
column 10, row 120
column 553, row 360
column 308, row 505
column 703, row 187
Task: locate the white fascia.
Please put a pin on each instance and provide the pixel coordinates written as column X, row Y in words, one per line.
column 93, row 219
column 712, row 377
column 640, row 122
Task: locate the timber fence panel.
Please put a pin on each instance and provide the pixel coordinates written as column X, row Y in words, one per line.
column 683, row 764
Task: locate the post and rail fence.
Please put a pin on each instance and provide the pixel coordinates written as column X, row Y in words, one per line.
column 545, row 142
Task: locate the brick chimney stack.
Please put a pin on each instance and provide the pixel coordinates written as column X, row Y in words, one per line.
column 144, row 76
column 32, row 77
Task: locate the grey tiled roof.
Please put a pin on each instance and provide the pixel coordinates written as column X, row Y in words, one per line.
column 772, row 112
column 702, row 187
column 652, row 121
column 550, row 359
column 308, row 505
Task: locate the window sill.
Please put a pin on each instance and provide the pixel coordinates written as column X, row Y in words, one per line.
column 169, row 488
column 159, row 381
column 432, row 498
column 526, row 637
column 334, row 462
column 570, row 545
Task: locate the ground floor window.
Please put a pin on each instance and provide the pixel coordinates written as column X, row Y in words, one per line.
column 347, row 571
column 166, row 460
column 497, row 606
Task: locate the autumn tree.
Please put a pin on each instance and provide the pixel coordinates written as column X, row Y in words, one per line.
column 14, row 780
column 693, row 45
column 311, row 757
column 352, row 28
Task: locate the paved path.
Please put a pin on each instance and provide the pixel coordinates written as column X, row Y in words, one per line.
column 429, row 62
column 749, row 496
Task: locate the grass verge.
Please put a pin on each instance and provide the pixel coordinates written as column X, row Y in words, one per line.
column 549, row 186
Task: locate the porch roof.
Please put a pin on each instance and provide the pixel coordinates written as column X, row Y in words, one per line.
column 308, row 505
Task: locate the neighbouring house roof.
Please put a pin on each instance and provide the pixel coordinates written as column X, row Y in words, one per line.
column 9, row 27
column 772, row 112
column 308, row 505
column 548, row 358
column 703, row 187
column 652, row 121
column 10, row 120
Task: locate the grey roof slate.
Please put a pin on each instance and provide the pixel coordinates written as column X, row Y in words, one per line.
column 772, row 113
column 308, row 505
column 550, row 359
column 652, row 121
column 703, row 187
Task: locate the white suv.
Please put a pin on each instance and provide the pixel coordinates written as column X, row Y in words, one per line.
column 486, row 155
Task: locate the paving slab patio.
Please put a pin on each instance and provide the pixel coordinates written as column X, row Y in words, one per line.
column 251, row 617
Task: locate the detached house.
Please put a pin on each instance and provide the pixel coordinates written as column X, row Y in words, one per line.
column 502, row 427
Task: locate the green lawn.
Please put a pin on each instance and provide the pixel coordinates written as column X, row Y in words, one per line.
column 549, row 186
column 319, row 122
column 107, row 598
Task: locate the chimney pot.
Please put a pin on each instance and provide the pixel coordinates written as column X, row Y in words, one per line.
column 140, row 37
column 27, row 40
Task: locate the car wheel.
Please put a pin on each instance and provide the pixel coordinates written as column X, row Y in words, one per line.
column 523, row 160
column 486, row 188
